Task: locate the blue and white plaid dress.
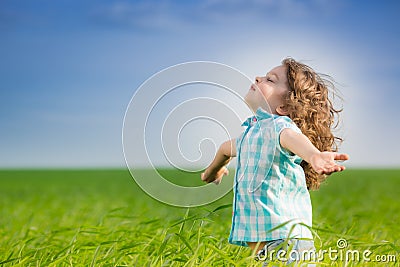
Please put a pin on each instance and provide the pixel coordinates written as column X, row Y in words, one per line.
column 270, row 188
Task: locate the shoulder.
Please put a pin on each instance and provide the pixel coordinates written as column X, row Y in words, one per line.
column 284, row 122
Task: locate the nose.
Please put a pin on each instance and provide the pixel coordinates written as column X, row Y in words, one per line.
column 258, row 79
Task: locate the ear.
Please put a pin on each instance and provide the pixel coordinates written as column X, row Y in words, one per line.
column 282, row 110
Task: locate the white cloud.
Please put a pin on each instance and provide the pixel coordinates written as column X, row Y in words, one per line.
column 140, row 14
column 172, row 15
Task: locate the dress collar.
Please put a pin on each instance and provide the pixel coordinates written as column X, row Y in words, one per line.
column 259, row 115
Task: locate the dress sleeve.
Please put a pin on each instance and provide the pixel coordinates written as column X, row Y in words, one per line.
column 281, row 123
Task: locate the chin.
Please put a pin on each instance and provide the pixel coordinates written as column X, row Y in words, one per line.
column 248, row 101
column 251, row 105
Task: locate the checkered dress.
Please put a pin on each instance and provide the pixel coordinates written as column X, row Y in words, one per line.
column 270, row 192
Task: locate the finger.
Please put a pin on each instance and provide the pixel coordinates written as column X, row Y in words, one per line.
column 337, row 168
column 341, row 156
column 204, row 179
column 226, row 171
column 217, row 181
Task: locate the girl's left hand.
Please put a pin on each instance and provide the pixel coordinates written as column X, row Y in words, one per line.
column 215, row 178
column 324, row 162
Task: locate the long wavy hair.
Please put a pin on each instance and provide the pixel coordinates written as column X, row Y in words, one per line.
column 309, row 103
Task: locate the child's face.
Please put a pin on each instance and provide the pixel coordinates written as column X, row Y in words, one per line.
column 268, row 91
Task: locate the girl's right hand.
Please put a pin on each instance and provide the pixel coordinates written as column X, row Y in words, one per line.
column 325, row 162
column 216, row 178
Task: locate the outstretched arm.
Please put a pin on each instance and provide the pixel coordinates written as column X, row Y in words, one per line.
column 217, row 169
column 322, row 162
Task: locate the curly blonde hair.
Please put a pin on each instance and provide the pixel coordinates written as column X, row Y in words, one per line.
column 311, row 109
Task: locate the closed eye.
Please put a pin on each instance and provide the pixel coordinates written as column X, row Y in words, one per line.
column 271, row 74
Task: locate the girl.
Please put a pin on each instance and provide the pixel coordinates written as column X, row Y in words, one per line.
column 286, row 148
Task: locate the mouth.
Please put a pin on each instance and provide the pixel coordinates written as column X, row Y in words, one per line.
column 253, row 87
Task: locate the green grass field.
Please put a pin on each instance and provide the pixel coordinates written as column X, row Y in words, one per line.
column 102, row 218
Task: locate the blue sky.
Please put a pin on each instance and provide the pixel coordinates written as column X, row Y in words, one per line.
column 68, row 69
